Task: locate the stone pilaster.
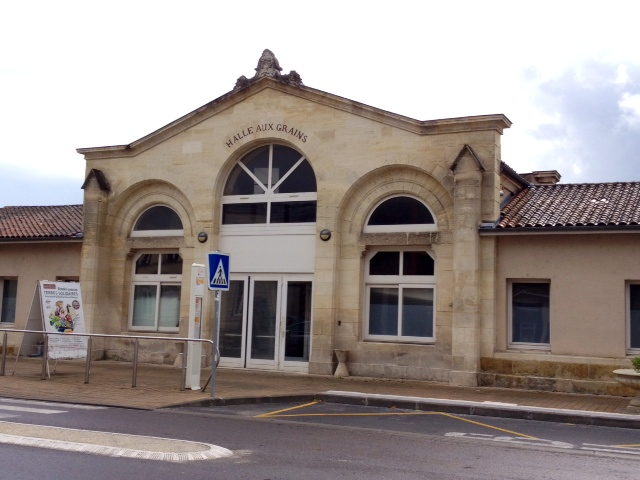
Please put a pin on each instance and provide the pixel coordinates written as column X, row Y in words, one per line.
column 466, row 263
column 93, row 271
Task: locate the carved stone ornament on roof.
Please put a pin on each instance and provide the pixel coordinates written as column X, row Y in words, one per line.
column 268, row 66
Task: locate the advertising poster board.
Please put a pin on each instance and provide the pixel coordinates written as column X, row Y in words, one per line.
column 62, row 311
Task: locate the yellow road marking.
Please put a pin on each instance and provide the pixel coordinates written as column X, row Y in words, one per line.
column 489, row 426
column 356, row 414
column 282, row 413
column 626, row 446
column 287, row 409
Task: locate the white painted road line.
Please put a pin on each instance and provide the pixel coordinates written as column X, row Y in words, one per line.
column 52, row 404
column 46, row 411
column 109, row 444
column 610, row 449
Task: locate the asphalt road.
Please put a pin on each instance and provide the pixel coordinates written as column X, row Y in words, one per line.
column 311, row 441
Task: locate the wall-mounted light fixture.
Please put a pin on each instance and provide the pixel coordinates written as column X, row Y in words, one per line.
column 325, row 234
column 202, row 237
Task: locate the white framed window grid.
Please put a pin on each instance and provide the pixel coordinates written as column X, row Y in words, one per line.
column 399, row 308
column 155, row 297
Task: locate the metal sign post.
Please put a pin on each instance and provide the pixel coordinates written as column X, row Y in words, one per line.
column 218, row 276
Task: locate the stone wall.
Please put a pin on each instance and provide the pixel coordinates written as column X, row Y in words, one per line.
column 551, row 376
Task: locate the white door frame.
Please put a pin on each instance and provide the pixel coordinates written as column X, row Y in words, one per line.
column 278, row 362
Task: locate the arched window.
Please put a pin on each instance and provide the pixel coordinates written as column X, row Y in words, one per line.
column 400, row 214
column 158, row 221
column 272, row 184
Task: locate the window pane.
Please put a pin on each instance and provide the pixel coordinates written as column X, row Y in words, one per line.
column 417, row 312
column 293, row 212
column 257, row 162
column 9, row 295
column 263, row 331
column 231, row 319
column 144, row 306
column 383, row 311
column 171, row 264
column 159, row 218
column 244, row 213
column 385, row 263
column 417, row 263
column 298, row 321
column 284, row 158
column 401, row 211
column 634, row 315
column 147, row 264
column 240, row 183
column 530, row 310
column 169, row 306
column 302, row 179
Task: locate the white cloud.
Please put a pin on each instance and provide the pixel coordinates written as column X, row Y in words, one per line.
column 630, row 109
column 88, row 74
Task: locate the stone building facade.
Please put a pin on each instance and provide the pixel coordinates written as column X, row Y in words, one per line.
column 218, row 166
column 408, row 243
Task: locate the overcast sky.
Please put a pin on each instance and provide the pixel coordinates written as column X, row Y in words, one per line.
column 96, row 73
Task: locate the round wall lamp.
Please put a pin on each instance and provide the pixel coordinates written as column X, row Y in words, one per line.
column 325, row 234
column 202, row 237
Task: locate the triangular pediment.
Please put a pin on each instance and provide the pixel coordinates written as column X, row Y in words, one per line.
column 269, row 80
column 467, row 152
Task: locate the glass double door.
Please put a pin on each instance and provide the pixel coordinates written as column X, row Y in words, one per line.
column 265, row 322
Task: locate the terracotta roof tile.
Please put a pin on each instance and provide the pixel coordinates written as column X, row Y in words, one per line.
column 574, row 205
column 41, row 222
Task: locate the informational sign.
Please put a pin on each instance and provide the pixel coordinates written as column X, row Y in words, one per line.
column 218, row 270
column 194, row 363
column 59, row 308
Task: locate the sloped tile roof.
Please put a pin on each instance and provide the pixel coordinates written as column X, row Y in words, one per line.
column 30, row 223
column 574, row 205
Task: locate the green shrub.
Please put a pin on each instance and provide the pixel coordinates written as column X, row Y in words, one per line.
column 635, row 362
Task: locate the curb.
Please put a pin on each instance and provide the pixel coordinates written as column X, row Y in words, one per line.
column 225, row 402
column 460, row 407
column 485, row 409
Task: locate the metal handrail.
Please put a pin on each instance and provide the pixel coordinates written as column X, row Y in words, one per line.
column 137, row 338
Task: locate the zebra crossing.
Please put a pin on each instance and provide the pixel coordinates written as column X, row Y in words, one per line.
column 13, row 407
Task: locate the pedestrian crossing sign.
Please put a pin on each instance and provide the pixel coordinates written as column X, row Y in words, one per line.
column 218, row 270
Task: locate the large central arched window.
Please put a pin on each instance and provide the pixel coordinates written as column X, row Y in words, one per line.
column 272, row 184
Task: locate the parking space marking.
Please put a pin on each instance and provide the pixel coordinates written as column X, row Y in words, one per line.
column 283, row 413
column 513, row 438
column 277, row 412
column 489, row 426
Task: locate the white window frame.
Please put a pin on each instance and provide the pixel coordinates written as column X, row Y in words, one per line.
column 153, row 279
column 415, row 227
column 510, row 319
column 2, row 280
column 630, row 350
column 426, row 282
column 268, row 197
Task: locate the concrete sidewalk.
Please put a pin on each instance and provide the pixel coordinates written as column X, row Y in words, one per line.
column 158, row 386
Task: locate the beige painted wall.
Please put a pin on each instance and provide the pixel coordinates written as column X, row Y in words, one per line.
column 588, row 273
column 33, row 261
